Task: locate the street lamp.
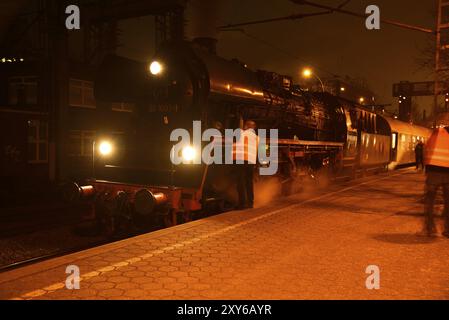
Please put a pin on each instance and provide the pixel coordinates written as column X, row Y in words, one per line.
column 105, row 149
column 156, row 68
column 307, row 73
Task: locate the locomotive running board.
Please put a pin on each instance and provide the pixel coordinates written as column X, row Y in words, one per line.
column 311, row 143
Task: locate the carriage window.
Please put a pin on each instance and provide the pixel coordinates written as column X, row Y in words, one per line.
column 394, row 141
column 366, row 126
column 353, row 116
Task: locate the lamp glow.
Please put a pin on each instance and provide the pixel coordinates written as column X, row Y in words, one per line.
column 188, row 154
column 307, row 73
column 105, row 148
column 156, row 68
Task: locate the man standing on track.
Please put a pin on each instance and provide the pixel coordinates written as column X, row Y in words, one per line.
column 436, row 159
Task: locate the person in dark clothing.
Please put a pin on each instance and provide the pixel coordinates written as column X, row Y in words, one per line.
column 245, row 152
column 419, row 155
column 245, row 185
column 437, row 176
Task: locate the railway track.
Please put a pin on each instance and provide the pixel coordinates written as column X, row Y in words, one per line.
column 14, row 224
column 66, row 251
column 23, row 263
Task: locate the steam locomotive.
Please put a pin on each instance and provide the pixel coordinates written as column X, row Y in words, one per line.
column 319, row 134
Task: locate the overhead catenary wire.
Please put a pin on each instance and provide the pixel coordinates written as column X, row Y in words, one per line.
column 281, row 50
column 363, row 16
column 272, row 46
column 283, row 18
column 297, row 16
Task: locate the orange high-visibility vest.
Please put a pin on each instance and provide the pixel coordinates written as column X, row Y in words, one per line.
column 436, row 152
column 246, row 148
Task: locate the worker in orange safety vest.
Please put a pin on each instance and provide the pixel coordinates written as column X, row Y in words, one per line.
column 245, row 157
column 436, row 159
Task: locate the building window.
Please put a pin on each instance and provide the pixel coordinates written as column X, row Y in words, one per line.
column 22, row 90
column 82, row 94
column 81, row 143
column 37, row 141
column 123, row 107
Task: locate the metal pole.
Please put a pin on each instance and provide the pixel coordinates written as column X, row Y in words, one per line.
column 437, row 61
column 322, row 84
column 93, row 159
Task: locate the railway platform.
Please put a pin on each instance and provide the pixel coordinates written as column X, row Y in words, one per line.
column 314, row 245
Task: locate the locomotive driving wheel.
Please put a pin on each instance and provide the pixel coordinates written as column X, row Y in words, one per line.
column 112, row 214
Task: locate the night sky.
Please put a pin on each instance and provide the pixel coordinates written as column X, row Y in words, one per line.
column 332, row 44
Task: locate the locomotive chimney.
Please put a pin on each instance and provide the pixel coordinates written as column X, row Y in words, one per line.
column 210, row 44
column 202, row 17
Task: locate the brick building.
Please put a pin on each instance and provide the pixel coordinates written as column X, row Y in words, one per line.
column 49, row 117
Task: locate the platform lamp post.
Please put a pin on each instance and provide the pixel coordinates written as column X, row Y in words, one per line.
column 93, row 158
column 104, row 148
column 307, row 73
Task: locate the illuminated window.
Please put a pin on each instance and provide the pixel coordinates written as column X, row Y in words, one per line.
column 82, row 94
column 81, row 143
column 394, row 140
column 22, row 90
column 37, row 141
column 123, row 107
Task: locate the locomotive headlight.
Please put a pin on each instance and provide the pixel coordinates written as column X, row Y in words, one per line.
column 307, row 73
column 156, row 68
column 188, row 154
column 105, row 148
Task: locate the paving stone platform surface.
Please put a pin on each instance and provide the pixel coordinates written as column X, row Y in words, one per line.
column 315, row 245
